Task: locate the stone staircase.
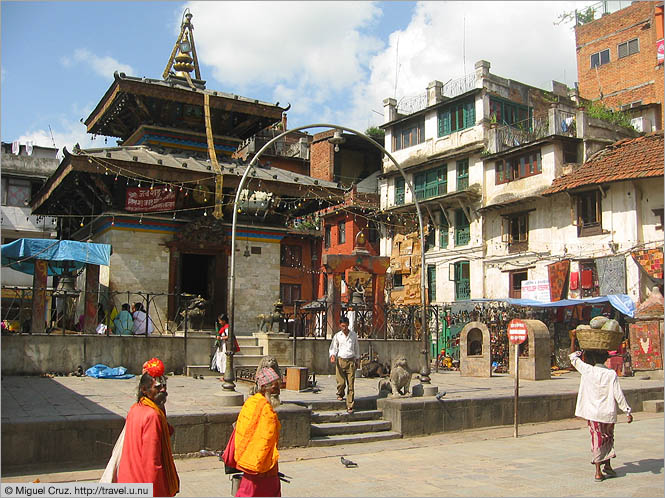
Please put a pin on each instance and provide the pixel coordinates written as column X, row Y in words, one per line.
column 248, row 358
column 332, row 425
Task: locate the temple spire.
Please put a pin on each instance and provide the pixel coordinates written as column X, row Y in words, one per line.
column 183, row 57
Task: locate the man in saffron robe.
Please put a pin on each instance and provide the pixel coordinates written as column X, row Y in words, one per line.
column 146, row 454
column 256, row 436
column 597, row 401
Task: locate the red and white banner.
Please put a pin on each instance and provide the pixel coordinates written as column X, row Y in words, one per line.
column 144, row 200
column 659, row 51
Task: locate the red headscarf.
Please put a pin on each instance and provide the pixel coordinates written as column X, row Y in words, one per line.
column 154, row 367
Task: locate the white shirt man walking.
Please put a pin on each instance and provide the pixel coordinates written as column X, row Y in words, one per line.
column 345, row 353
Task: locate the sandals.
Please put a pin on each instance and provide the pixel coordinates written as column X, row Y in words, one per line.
column 340, row 398
column 599, row 479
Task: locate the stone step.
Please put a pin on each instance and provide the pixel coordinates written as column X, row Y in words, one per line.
column 350, row 427
column 247, row 360
column 247, row 340
column 205, row 369
column 366, row 437
column 361, row 404
column 653, row 405
column 343, row 416
column 249, row 350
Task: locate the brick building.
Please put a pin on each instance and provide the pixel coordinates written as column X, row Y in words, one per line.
column 620, row 62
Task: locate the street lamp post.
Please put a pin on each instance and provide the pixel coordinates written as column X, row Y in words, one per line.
column 229, row 375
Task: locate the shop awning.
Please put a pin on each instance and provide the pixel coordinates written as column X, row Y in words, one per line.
column 62, row 255
column 620, row 302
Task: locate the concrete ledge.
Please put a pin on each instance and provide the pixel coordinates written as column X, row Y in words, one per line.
column 420, row 416
column 653, row 405
column 90, row 439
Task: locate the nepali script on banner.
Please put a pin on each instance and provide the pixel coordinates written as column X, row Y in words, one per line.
column 145, row 200
column 538, row 290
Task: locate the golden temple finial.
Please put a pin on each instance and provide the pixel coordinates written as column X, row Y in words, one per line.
column 186, row 60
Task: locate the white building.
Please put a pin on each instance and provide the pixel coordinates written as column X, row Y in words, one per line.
column 481, row 152
column 25, row 168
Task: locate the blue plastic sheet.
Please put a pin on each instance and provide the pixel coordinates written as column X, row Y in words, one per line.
column 620, row 302
column 101, row 371
column 62, row 255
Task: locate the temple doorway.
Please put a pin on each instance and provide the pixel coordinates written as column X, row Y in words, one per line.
column 197, row 278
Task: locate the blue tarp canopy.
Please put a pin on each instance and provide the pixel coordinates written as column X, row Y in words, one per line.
column 621, row 302
column 62, row 255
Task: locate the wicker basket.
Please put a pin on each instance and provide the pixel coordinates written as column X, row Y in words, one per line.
column 604, row 340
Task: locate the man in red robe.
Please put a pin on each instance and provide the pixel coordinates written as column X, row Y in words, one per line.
column 146, row 453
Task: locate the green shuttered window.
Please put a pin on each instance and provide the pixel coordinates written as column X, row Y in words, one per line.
column 457, row 117
column 431, row 183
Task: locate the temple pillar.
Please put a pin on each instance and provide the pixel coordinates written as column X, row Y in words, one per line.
column 91, row 298
column 39, row 280
column 379, row 315
column 334, row 303
column 174, row 290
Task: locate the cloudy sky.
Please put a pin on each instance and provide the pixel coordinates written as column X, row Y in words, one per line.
column 334, row 62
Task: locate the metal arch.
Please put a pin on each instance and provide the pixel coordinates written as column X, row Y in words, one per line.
column 425, row 371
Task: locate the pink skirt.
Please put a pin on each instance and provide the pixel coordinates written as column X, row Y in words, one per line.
column 602, row 441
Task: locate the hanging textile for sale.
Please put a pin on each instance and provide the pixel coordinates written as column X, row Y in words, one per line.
column 611, row 275
column 651, row 261
column 557, row 273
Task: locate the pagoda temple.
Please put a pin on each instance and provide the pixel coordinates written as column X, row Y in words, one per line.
column 163, row 197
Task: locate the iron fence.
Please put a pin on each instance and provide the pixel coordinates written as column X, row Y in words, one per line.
column 66, row 310
column 459, row 86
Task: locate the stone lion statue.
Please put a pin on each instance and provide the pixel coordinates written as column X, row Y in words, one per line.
column 266, row 320
column 400, row 377
column 266, row 362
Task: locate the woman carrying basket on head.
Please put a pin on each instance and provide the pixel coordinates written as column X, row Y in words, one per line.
column 597, row 401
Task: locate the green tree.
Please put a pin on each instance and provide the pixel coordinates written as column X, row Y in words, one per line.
column 376, row 133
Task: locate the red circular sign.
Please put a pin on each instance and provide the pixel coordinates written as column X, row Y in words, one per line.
column 517, row 332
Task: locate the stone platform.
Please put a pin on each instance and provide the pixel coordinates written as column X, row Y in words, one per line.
column 75, row 420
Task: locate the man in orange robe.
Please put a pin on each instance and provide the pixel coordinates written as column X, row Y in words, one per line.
column 256, row 438
column 146, row 454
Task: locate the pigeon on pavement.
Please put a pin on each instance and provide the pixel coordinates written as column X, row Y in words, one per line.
column 348, row 463
column 440, row 395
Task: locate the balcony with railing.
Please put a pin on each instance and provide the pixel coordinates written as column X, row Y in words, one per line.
column 506, row 136
column 411, row 104
column 453, row 88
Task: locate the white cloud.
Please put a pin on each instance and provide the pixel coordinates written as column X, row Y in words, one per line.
column 306, row 52
column 443, row 39
column 103, row 66
column 318, row 55
column 66, row 133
